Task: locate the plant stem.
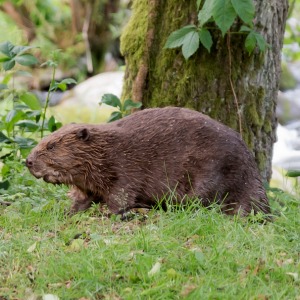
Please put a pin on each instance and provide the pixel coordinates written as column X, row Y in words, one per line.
column 47, row 102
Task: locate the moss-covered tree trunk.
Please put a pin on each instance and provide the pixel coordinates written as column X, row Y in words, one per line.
column 228, row 84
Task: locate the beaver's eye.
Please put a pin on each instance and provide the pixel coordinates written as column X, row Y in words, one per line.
column 50, row 146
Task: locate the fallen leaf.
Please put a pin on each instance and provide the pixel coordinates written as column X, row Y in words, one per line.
column 294, row 275
column 284, row 262
column 187, row 289
column 155, row 269
column 31, row 248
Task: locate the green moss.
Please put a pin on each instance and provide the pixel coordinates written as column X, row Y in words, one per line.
column 133, row 42
column 261, row 159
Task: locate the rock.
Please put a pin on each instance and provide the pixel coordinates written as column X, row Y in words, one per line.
column 81, row 104
column 285, row 153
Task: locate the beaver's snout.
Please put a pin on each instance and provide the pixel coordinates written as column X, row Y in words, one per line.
column 29, row 162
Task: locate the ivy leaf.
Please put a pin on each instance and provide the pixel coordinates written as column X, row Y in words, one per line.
column 190, row 44
column 224, row 15
column 205, row 38
column 26, row 59
column 116, row 115
column 31, row 101
column 111, row 100
column 206, row 12
column 245, row 10
column 176, row 38
column 250, row 42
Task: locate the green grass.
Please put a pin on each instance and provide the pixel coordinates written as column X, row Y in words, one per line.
column 191, row 253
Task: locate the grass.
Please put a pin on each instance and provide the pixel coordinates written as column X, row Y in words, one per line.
column 191, row 253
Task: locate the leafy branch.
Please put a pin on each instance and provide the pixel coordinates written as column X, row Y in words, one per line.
column 223, row 13
column 124, row 108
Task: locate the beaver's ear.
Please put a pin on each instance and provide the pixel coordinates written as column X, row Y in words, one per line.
column 83, row 134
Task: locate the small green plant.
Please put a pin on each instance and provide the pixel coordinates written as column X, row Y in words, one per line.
column 24, row 116
column 223, row 13
column 124, row 108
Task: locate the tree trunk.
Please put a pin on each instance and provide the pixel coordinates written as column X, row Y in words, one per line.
column 228, row 84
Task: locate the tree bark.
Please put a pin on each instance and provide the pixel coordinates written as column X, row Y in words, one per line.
column 228, row 84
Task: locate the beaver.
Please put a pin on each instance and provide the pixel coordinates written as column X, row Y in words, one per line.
column 138, row 160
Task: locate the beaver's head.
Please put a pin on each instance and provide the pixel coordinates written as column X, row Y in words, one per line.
column 65, row 156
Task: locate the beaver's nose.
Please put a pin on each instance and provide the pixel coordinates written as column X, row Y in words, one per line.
column 29, row 162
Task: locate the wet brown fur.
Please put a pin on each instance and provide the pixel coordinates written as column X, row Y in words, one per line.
column 135, row 161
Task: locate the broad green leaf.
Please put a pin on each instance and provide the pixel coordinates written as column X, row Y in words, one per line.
column 69, row 81
column 293, row 173
column 206, row 12
column 31, row 101
column 245, row 10
column 26, row 59
column 6, row 48
column 4, row 59
column 190, row 44
column 112, row 100
column 205, row 38
column 25, row 143
column 13, row 116
column 53, row 125
column 224, row 15
column 177, row 37
column 36, row 114
column 3, row 138
column 129, row 104
column 8, row 65
column 262, row 44
column 7, row 78
column 245, row 29
column 18, row 50
column 62, row 86
column 116, row 115
column 28, row 124
column 250, row 42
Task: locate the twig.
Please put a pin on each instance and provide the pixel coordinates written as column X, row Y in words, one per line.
column 232, row 86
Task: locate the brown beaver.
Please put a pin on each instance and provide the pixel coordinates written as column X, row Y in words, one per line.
column 136, row 161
